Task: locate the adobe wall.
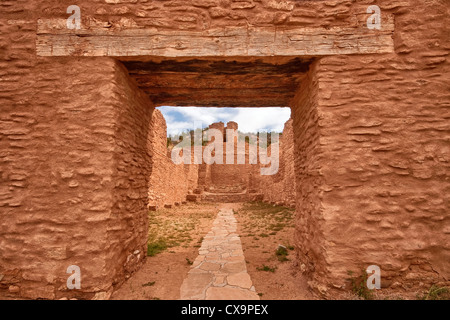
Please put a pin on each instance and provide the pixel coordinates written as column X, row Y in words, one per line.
column 280, row 187
column 371, row 146
column 169, row 183
column 73, row 168
column 204, row 14
column 229, row 176
column 73, row 174
column 373, row 158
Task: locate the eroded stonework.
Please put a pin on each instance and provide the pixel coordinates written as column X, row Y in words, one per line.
column 370, row 132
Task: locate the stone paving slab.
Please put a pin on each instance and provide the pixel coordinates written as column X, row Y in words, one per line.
column 219, row 272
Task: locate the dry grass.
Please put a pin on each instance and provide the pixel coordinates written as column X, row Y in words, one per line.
column 169, row 229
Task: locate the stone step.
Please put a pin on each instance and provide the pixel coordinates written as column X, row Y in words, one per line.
column 225, row 197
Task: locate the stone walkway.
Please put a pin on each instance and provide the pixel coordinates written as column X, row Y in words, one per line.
column 220, row 271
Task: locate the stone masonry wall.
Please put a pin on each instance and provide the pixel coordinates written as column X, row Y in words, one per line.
column 280, row 188
column 384, row 133
column 72, row 139
column 127, row 227
column 169, row 183
column 205, row 14
column 308, row 161
column 371, row 151
column 64, row 158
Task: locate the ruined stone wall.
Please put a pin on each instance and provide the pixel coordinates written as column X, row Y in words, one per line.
column 309, row 181
column 205, row 14
column 127, row 227
column 65, row 176
column 72, row 140
column 374, row 190
column 371, row 146
column 228, row 177
column 169, row 183
column 280, row 187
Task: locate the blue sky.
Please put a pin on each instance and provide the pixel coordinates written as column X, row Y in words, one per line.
column 249, row 119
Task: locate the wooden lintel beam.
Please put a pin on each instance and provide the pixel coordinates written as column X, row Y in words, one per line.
column 54, row 39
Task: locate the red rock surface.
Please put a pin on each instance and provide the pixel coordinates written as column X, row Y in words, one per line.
column 370, row 146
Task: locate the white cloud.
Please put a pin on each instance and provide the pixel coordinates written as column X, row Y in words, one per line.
column 249, row 119
column 259, row 119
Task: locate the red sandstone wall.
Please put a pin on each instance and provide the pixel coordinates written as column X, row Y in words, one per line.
column 64, row 171
column 127, row 227
column 169, row 183
column 309, row 180
column 373, row 158
column 70, row 148
column 204, row 14
column 372, row 150
column 279, row 188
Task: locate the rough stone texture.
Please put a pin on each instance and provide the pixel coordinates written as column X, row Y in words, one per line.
column 372, row 157
column 169, row 183
column 279, row 188
column 72, row 165
column 73, row 177
column 371, row 145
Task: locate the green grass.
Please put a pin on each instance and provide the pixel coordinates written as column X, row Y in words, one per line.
column 149, row 284
column 156, row 247
column 266, row 268
column 282, row 254
column 189, row 261
column 359, row 285
column 266, row 219
column 436, row 293
column 167, row 230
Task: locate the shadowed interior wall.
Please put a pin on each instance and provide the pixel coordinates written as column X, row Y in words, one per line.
column 169, row 183
column 127, row 227
column 308, row 162
column 279, row 188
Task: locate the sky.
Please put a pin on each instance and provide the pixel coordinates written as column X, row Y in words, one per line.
column 179, row 119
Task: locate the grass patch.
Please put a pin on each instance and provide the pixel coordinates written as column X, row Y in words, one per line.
column 167, row 229
column 282, row 254
column 149, row 284
column 266, row 268
column 266, row 218
column 156, row 247
column 359, row 285
column 436, row 293
column 189, row 261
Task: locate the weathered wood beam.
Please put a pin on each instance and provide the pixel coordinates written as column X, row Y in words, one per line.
column 270, row 97
column 292, row 67
column 213, row 81
column 54, row 39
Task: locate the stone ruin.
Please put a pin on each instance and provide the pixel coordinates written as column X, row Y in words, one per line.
column 78, row 131
column 173, row 185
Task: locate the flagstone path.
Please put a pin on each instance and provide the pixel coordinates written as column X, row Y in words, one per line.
column 219, row 272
